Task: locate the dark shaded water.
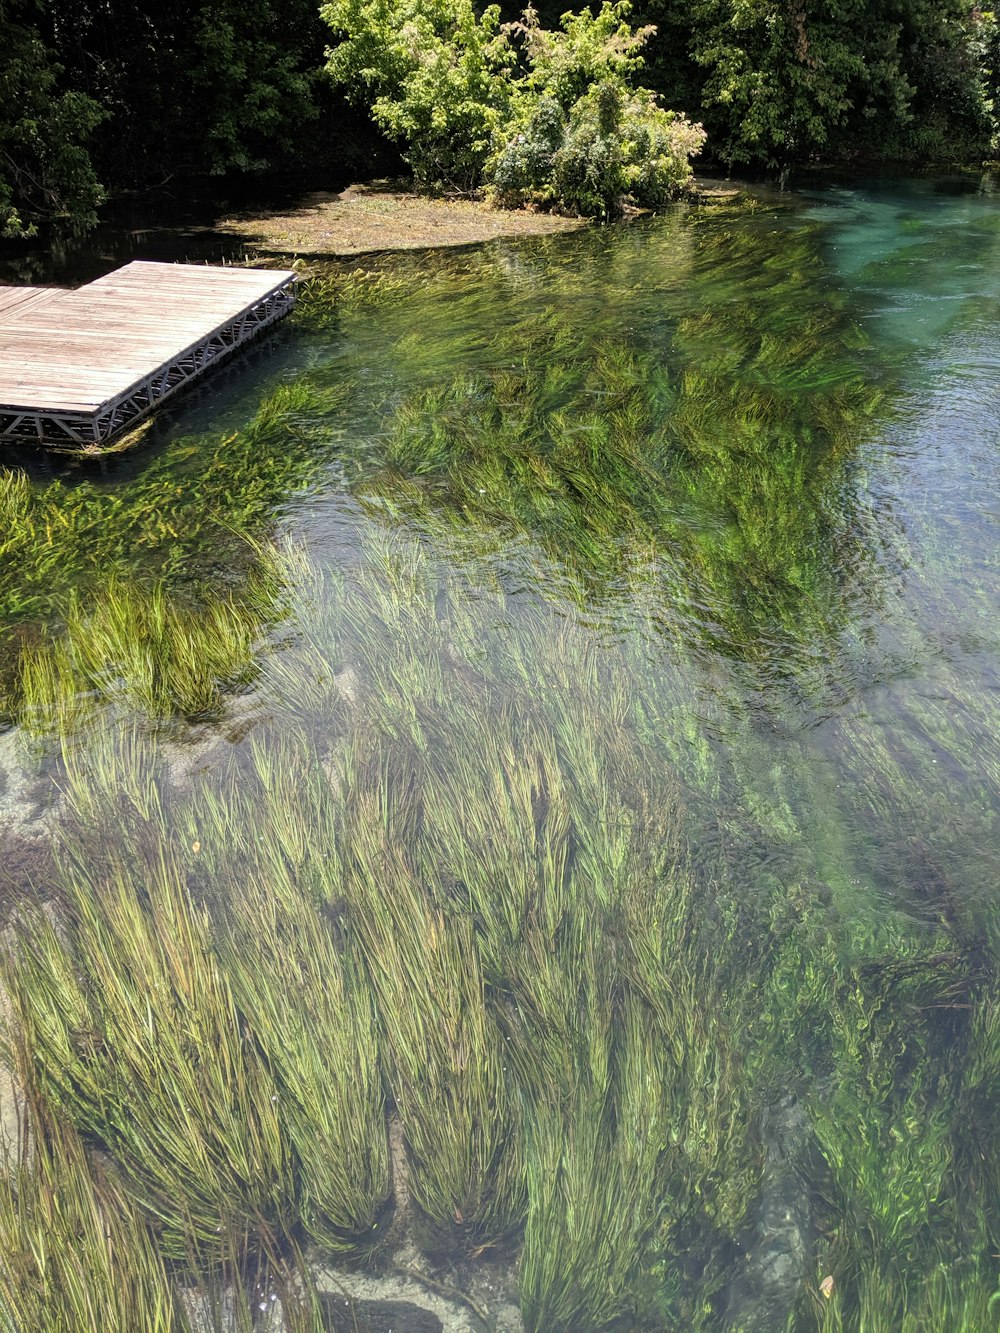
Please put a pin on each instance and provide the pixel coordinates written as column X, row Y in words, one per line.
column 706, row 505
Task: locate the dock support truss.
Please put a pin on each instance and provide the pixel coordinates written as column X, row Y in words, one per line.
column 88, row 430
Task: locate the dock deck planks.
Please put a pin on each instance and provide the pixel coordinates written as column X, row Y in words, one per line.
column 79, row 366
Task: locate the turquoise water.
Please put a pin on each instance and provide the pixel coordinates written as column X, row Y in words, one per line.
column 686, row 529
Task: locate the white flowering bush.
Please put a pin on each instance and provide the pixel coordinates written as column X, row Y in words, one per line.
column 657, row 148
column 612, row 145
column 581, row 137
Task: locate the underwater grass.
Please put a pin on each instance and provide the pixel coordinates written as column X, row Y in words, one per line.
column 706, row 440
column 74, row 1252
column 642, row 1140
column 180, row 514
column 495, row 910
column 144, row 649
column 515, row 828
column 696, row 453
column 133, row 1035
column 444, row 1058
column 709, row 435
column 497, row 842
column 479, row 902
column 965, row 1302
column 301, row 992
column 530, row 849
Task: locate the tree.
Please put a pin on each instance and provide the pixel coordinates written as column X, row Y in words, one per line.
column 192, row 85
column 435, row 74
column 784, row 81
column 45, row 168
column 547, row 116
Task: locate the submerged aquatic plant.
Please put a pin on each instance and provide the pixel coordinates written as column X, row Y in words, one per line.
column 443, row 1053
column 74, row 1251
column 487, row 899
column 132, row 1033
column 301, row 992
column 551, row 843
column 148, row 650
column 181, row 514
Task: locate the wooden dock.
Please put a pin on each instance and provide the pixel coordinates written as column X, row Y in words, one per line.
column 77, row 367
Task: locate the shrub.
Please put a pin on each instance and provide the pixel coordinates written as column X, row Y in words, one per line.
column 45, row 170
column 436, row 76
column 581, row 137
column 658, row 147
column 613, row 143
column 536, row 115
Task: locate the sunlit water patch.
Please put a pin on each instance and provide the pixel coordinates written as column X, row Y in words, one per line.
column 527, row 743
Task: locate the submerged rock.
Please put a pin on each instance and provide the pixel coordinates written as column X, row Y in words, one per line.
column 11, row 1113
column 223, row 1313
column 778, row 1255
column 406, row 1301
column 342, row 1315
column 28, row 798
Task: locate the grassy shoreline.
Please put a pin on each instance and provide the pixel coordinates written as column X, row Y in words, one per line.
column 384, row 217
column 368, row 219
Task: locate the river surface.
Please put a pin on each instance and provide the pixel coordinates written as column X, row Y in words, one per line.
column 689, row 528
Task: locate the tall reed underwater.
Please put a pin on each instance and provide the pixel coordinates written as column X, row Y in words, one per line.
column 490, row 925
column 525, row 869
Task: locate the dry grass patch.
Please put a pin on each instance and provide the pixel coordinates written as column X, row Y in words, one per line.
column 364, row 219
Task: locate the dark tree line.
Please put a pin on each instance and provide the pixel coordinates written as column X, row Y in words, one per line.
column 780, row 82
column 100, row 96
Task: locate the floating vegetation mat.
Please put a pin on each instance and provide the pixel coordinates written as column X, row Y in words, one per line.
column 504, row 804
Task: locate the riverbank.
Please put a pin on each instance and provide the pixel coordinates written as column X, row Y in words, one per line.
column 365, row 219
column 368, row 219
column 377, row 218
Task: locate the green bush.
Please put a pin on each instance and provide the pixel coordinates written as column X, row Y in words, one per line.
column 536, row 115
column 580, row 136
column 45, row 170
column 658, row 147
column 780, row 83
column 434, row 74
column 612, row 144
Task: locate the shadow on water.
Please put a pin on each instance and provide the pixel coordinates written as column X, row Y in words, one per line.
column 160, row 225
column 526, row 743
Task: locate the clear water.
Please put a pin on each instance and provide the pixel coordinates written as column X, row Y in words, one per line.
column 734, row 472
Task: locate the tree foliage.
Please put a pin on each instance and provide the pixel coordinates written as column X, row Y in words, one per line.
column 192, row 85
column 133, row 94
column 45, row 169
column 785, row 81
column 102, row 95
column 435, row 74
column 550, row 116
